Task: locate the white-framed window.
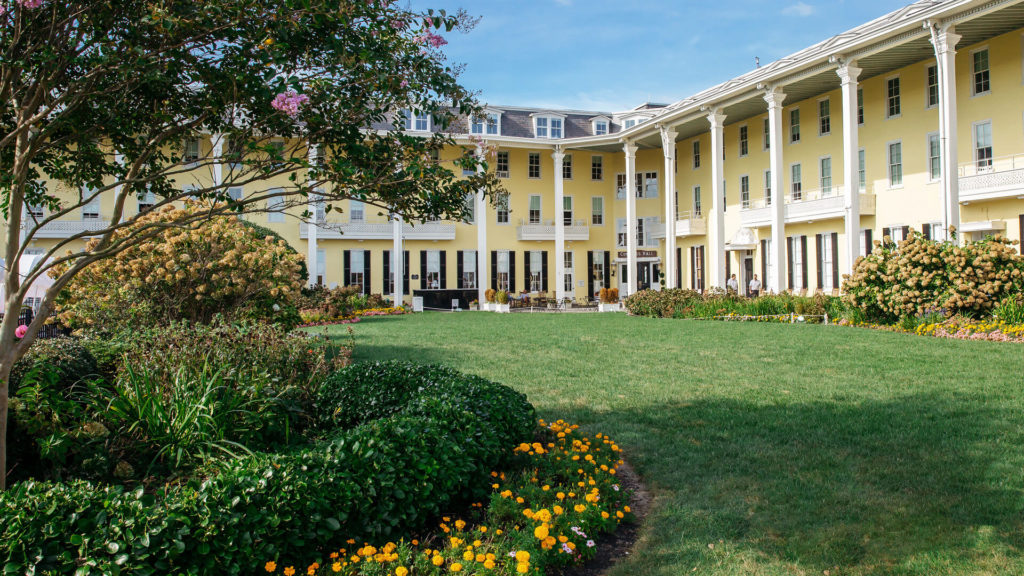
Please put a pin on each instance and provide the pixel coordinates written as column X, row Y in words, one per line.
column 794, row 125
column 548, row 127
column 980, row 80
column 569, row 281
column 597, row 167
column 470, row 203
column 896, row 234
column 502, row 209
column 600, row 127
column 416, row 121
column 535, row 214
column 469, row 269
column 191, row 155
column 91, row 209
column 796, row 183
column 235, row 193
column 769, row 267
column 864, row 241
column 895, row 155
column 35, row 210
column 597, row 211
column 275, row 207
column 489, row 123
column 696, row 202
column 357, row 211
column 433, row 274
column 468, row 155
column 620, row 186
column 503, row 270
column 983, row 146
column 536, row 269
column 767, row 144
column 567, row 214
column 824, row 117
column 629, row 123
column 621, row 232
column 146, row 201
column 798, row 262
column 827, row 264
column 642, row 232
column 860, row 106
column 892, row 97
column 321, row 266
column 931, row 86
column 825, row 175
column 696, row 154
column 745, row 191
column 646, row 184
column 862, row 170
column 533, row 168
column 934, row 157
column 938, row 232
column 599, row 270
column 767, row 187
column 744, row 142
column 501, row 164
column 567, row 167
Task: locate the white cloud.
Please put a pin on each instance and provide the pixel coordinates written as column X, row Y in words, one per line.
column 798, row 9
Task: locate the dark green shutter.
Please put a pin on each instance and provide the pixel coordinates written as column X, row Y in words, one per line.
column 423, row 270
column 789, row 261
column 458, row 269
column 590, row 274
column 819, row 244
column 444, row 270
column 803, row 258
column 835, row 260
column 526, row 268
column 346, row 267
column 511, row 271
column 494, row 269
column 387, row 270
column 367, row 255
column 544, row 270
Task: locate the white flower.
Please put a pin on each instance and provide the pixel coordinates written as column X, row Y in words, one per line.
column 590, row 544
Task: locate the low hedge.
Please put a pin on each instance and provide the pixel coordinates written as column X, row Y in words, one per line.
column 399, row 465
column 678, row 303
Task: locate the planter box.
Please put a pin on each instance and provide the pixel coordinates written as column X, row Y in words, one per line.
column 503, row 308
column 602, row 307
column 487, row 306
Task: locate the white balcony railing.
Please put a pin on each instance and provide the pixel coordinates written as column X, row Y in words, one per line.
column 807, row 205
column 689, row 224
column 545, row 230
column 69, row 228
column 992, row 179
column 380, row 231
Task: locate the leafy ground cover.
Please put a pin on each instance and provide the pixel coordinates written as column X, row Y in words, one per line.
column 770, row 449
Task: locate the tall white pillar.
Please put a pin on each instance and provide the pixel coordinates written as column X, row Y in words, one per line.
column 944, row 39
column 630, row 149
column 717, row 235
column 217, row 140
column 558, row 156
column 774, row 98
column 398, row 261
column 668, row 146
column 848, row 73
column 482, row 276
column 312, row 262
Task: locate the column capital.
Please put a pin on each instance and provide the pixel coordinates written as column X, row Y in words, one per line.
column 558, row 155
column 774, row 96
column 944, row 37
column 630, row 149
column 848, row 71
column 668, row 141
column 716, row 118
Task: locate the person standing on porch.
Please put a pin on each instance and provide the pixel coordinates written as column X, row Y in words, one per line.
column 754, row 287
column 732, row 285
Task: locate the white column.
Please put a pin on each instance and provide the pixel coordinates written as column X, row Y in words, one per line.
column 630, row 150
column 311, row 232
column 397, row 260
column 558, row 156
column 668, row 146
column 944, row 39
column 774, row 98
column 217, row 140
column 717, row 236
column 482, row 261
column 848, row 73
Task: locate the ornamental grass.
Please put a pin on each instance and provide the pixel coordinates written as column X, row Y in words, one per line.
column 547, row 512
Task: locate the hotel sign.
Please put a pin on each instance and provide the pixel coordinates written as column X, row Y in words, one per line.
column 641, row 254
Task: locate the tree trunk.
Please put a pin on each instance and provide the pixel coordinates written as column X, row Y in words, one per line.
column 6, row 363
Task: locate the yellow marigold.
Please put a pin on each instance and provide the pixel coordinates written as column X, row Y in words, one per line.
column 459, row 524
column 489, row 564
column 270, row 566
column 522, row 556
column 437, row 560
column 540, row 532
column 401, row 571
column 289, row 571
column 522, row 568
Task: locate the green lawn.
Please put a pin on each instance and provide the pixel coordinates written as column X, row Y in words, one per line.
column 771, row 449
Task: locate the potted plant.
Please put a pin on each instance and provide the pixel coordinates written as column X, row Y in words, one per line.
column 609, row 300
column 474, row 305
column 489, row 297
column 501, row 299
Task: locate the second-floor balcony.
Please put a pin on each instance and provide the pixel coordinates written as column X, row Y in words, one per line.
column 545, row 230
column 805, row 206
column 992, row 179
column 379, row 231
column 69, row 228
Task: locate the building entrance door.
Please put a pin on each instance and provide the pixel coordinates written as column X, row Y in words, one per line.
column 623, row 280
column 643, row 276
column 748, row 274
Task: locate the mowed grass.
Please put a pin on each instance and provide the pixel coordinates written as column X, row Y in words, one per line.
column 771, row 449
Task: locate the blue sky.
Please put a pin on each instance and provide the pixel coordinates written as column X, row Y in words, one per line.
column 612, row 55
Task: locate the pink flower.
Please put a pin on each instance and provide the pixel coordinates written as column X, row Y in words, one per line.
column 398, row 24
column 403, row 84
column 289, row 102
column 30, row 3
column 20, row 331
column 430, row 39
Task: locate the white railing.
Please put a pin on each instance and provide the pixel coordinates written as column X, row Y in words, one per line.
column 379, row 231
column 545, row 230
column 688, row 224
column 992, row 178
column 991, row 166
column 69, row 228
column 817, row 203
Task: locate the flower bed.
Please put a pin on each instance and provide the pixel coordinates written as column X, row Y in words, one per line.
column 956, row 328
column 312, row 320
column 546, row 512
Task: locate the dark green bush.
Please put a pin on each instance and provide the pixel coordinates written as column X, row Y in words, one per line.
column 64, row 360
column 690, row 304
column 407, row 459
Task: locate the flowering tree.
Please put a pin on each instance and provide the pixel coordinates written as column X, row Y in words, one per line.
column 100, row 99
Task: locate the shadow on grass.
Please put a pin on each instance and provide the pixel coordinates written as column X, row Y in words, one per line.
column 873, row 487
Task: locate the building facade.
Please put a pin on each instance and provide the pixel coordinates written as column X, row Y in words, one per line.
column 790, row 172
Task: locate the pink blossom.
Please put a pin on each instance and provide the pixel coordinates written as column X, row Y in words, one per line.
column 289, row 102
column 20, row 331
column 30, row 3
column 403, row 84
column 430, row 39
column 398, row 24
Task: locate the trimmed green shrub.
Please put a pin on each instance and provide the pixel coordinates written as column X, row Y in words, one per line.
column 405, row 461
column 678, row 303
column 65, row 360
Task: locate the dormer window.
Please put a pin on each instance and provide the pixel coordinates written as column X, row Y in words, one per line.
column 490, row 124
column 630, row 122
column 548, row 126
column 416, row 121
column 600, row 126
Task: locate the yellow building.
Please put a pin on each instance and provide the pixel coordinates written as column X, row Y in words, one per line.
column 912, row 121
